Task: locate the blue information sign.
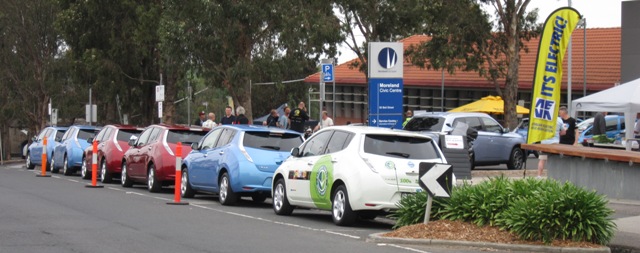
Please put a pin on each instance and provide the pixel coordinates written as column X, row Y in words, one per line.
column 385, row 102
column 327, row 71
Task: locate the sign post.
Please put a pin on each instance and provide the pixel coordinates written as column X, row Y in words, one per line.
column 436, row 179
column 160, row 98
column 386, row 84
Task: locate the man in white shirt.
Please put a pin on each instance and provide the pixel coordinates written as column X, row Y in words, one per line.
column 325, row 122
column 210, row 123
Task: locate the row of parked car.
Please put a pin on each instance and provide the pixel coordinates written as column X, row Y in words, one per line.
column 353, row 171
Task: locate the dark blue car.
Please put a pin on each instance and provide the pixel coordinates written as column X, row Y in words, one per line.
column 68, row 155
column 237, row 160
column 34, row 151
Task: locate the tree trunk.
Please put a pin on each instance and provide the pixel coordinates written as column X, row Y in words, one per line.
column 170, row 93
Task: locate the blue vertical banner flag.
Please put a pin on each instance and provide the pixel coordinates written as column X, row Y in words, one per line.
column 547, row 80
column 386, row 84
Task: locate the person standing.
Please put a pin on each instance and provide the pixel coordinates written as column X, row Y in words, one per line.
column 325, row 122
column 228, row 118
column 542, row 158
column 600, row 124
column 569, row 126
column 284, row 122
column 241, row 119
column 272, row 120
column 298, row 117
column 407, row 118
column 211, row 122
column 200, row 120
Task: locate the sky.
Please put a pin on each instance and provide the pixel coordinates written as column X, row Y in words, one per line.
column 599, row 13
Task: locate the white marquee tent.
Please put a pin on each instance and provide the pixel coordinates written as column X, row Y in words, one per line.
column 624, row 98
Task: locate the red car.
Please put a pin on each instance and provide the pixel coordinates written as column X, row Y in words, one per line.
column 151, row 158
column 112, row 144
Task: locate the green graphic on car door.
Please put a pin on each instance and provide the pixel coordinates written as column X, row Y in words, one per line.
column 320, row 183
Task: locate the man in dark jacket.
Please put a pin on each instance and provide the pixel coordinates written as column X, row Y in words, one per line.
column 298, row 117
column 600, row 124
column 200, row 120
column 228, row 118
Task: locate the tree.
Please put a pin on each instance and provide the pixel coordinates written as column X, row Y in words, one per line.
column 379, row 21
column 467, row 42
column 32, row 61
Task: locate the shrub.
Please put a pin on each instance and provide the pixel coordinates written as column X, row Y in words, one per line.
column 480, row 204
column 560, row 212
column 411, row 209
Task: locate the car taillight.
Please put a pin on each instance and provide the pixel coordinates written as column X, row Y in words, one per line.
column 245, row 153
column 166, row 146
column 366, row 161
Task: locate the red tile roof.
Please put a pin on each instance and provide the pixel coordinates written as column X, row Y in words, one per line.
column 603, row 65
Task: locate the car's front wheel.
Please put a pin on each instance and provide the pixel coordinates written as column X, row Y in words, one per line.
column 125, row 180
column 66, row 170
column 342, row 214
column 516, row 159
column 226, row 197
column 105, row 176
column 84, row 172
column 281, row 204
column 185, row 188
column 30, row 165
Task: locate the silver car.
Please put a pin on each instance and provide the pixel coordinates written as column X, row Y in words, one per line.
column 494, row 144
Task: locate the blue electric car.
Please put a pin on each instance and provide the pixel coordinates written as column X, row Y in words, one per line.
column 68, row 155
column 34, row 151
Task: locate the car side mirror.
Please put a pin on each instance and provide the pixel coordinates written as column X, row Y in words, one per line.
column 505, row 130
column 194, row 146
column 295, row 152
column 58, row 139
column 34, row 139
column 90, row 140
column 132, row 142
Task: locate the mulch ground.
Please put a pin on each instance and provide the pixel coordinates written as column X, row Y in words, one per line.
column 463, row 231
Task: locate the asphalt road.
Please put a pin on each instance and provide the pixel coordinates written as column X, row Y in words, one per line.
column 58, row 214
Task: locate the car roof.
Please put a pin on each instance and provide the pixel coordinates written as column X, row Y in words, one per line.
column 445, row 114
column 179, row 127
column 376, row 130
column 125, row 127
column 86, row 127
column 258, row 128
column 59, row 128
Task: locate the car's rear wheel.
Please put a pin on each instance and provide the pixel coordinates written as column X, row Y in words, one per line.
column 342, row 214
column 516, row 159
column 185, row 187
column 52, row 164
column 30, row 165
column 281, row 204
column 66, row 170
column 153, row 184
column 84, row 172
column 226, row 197
column 105, row 176
column 125, row 181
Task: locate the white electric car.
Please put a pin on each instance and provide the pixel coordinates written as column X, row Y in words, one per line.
column 354, row 171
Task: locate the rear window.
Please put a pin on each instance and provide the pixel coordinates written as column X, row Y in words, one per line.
column 86, row 134
column 125, row 135
column 425, row 124
column 400, row 146
column 186, row 136
column 271, row 141
column 60, row 133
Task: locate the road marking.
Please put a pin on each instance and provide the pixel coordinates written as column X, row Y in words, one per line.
column 160, row 198
column 135, row 193
column 55, row 177
column 73, row 180
column 342, row 234
column 401, row 247
column 115, row 189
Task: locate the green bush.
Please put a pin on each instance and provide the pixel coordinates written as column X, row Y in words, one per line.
column 560, row 212
column 480, row 204
column 533, row 209
column 411, row 209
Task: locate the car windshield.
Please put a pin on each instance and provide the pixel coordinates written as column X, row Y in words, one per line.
column 125, row 135
column 271, row 140
column 408, row 147
column 85, row 134
column 184, row 136
column 425, row 124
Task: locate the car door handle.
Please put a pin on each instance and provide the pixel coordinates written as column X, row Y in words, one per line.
column 310, row 163
column 221, row 153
